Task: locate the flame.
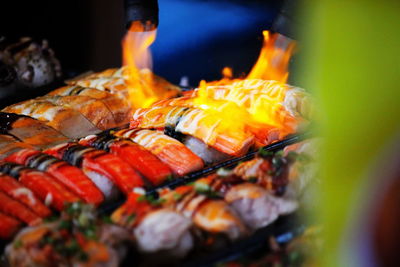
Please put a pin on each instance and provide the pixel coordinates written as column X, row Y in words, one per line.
column 137, row 59
column 272, row 64
column 254, row 103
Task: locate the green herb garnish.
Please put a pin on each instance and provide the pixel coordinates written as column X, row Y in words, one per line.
column 265, row 153
column 151, row 199
column 64, row 225
column 201, row 188
column 107, row 219
column 205, row 189
column 18, row 244
column 252, row 180
column 177, row 196
column 169, row 178
column 131, row 218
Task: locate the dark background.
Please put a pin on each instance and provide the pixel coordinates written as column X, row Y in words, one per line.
column 196, row 38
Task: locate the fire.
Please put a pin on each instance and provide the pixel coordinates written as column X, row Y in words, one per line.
column 273, row 61
column 255, row 102
column 137, row 58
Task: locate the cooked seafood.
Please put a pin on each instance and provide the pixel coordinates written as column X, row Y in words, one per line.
column 77, row 238
column 254, row 92
column 255, row 205
column 283, row 173
column 119, row 107
column 114, row 85
column 170, row 151
column 272, row 109
column 104, row 169
column 22, row 194
column 13, row 208
column 8, row 226
column 156, row 229
column 66, row 120
column 205, row 125
column 138, row 157
column 94, row 110
column 118, row 81
column 208, row 213
column 9, row 145
column 208, row 154
column 30, row 131
column 43, row 185
column 71, row 177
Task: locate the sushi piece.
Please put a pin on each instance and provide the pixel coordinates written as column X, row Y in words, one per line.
column 13, row 208
column 105, row 170
column 117, row 80
column 8, row 226
column 42, row 185
column 212, row 214
column 9, row 145
column 66, row 120
column 278, row 107
column 137, row 156
column 208, row 154
column 256, row 206
column 119, row 107
column 155, row 228
column 94, row 110
column 24, row 195
column 71, row 177
column 114, row 85
column 230, row 138
column 77, row 238
column 30, row 131
column 170, row 151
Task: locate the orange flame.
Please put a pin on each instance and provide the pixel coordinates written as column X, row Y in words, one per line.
column 137, row 58
column 272, row 64
column 254, row 102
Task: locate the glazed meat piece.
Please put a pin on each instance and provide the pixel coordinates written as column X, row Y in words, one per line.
column 30, row 131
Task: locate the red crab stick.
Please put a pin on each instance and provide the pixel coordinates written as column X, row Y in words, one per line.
column 17, row 191
column 108, row 165
column 145, row 162
column 13, row 208
column 42, row 184
column 137, row 156
column 70, row 176
column 8, row 226
column 170, row 151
